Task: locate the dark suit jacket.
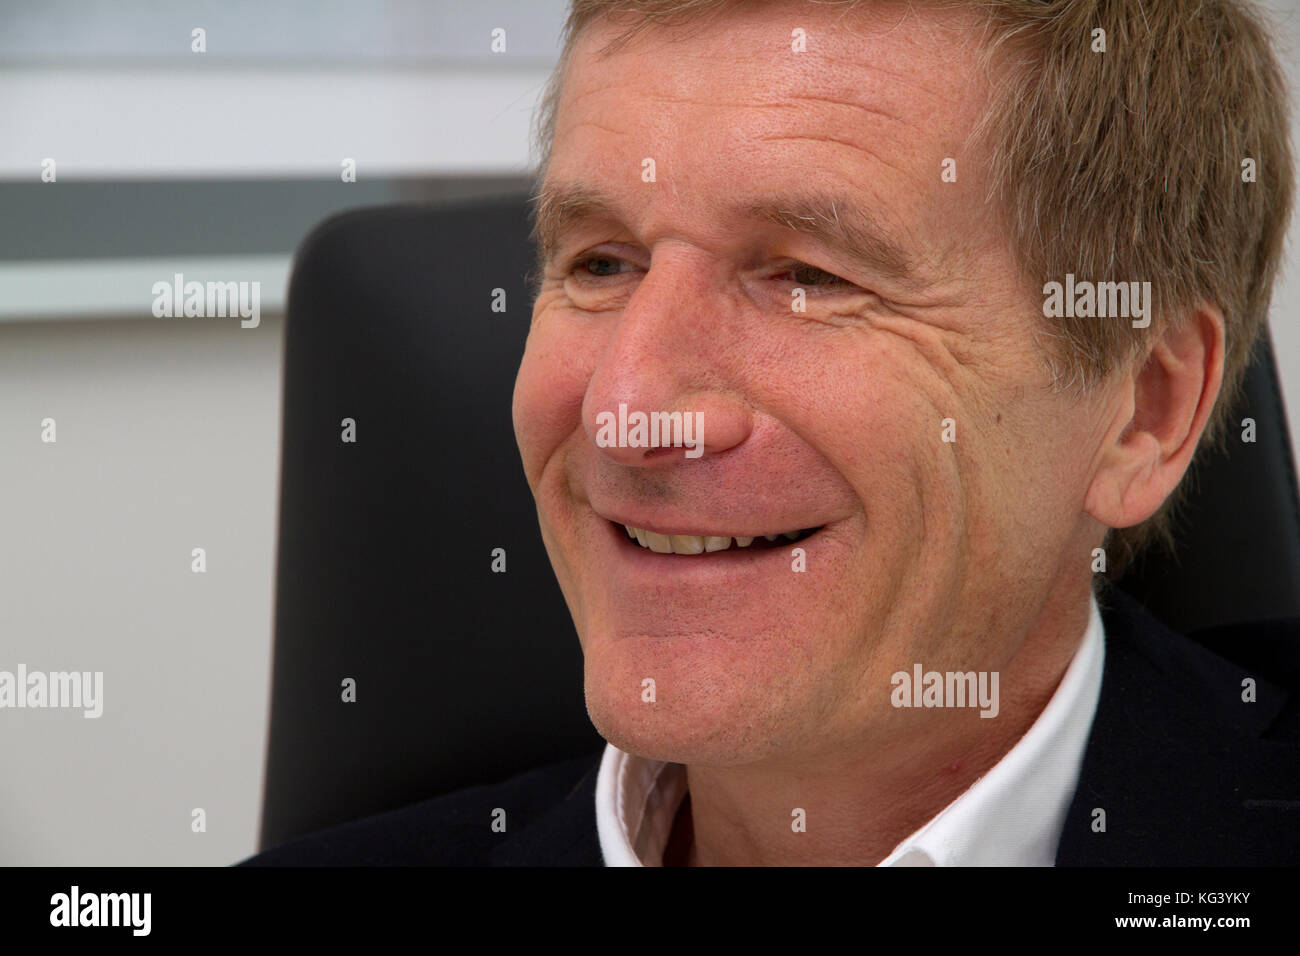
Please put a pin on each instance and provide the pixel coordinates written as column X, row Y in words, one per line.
column 1186, row 771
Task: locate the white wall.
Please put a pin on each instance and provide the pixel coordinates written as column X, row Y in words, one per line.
column 168, row 435
column 168, row 429
column 1284, row 319
column 106, row 123
column 283, row 88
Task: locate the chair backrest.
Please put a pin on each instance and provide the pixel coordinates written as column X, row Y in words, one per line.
column 467, row 675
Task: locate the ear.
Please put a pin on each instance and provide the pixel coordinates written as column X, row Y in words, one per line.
column 1165, row 406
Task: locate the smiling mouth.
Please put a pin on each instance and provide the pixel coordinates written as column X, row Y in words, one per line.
column 697, row 544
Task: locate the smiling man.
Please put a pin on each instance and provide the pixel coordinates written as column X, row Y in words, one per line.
column 858, row 625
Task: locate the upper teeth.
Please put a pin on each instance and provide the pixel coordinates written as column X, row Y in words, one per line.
column 694, row 543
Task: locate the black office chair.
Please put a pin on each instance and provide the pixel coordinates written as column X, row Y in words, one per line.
column 465, row 675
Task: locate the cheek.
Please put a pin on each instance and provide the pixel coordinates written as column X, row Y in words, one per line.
column 878, row 417
column 1047, row 467
column 549, row 390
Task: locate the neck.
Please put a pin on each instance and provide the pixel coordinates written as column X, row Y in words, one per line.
column 858, row 806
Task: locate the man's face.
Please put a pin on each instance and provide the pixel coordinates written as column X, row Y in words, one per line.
column 678, row 297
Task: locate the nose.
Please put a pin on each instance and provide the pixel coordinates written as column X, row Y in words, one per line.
column 659, row 395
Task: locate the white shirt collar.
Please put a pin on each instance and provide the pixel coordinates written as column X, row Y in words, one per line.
column 1011, row 816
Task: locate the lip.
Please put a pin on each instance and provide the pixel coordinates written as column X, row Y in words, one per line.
column 670, row 526
column 714, row 589
column 652, row 561
column 627, row 548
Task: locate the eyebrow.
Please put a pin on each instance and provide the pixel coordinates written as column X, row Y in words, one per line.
column 557, row 208
column 831, row 219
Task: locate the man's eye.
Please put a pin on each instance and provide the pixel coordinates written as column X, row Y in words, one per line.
column 806, row 275
column 598, row 266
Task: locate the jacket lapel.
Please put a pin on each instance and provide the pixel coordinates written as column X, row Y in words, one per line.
column 563, row 834
column 1180, row 766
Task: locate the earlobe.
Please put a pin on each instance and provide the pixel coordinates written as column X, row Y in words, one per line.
column 1119, row 495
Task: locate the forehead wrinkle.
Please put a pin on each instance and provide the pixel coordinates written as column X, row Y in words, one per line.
column 818, row 138
column 833, row 101
column 763, row 94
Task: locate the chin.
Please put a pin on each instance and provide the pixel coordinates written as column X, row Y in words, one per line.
column 699, row 716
